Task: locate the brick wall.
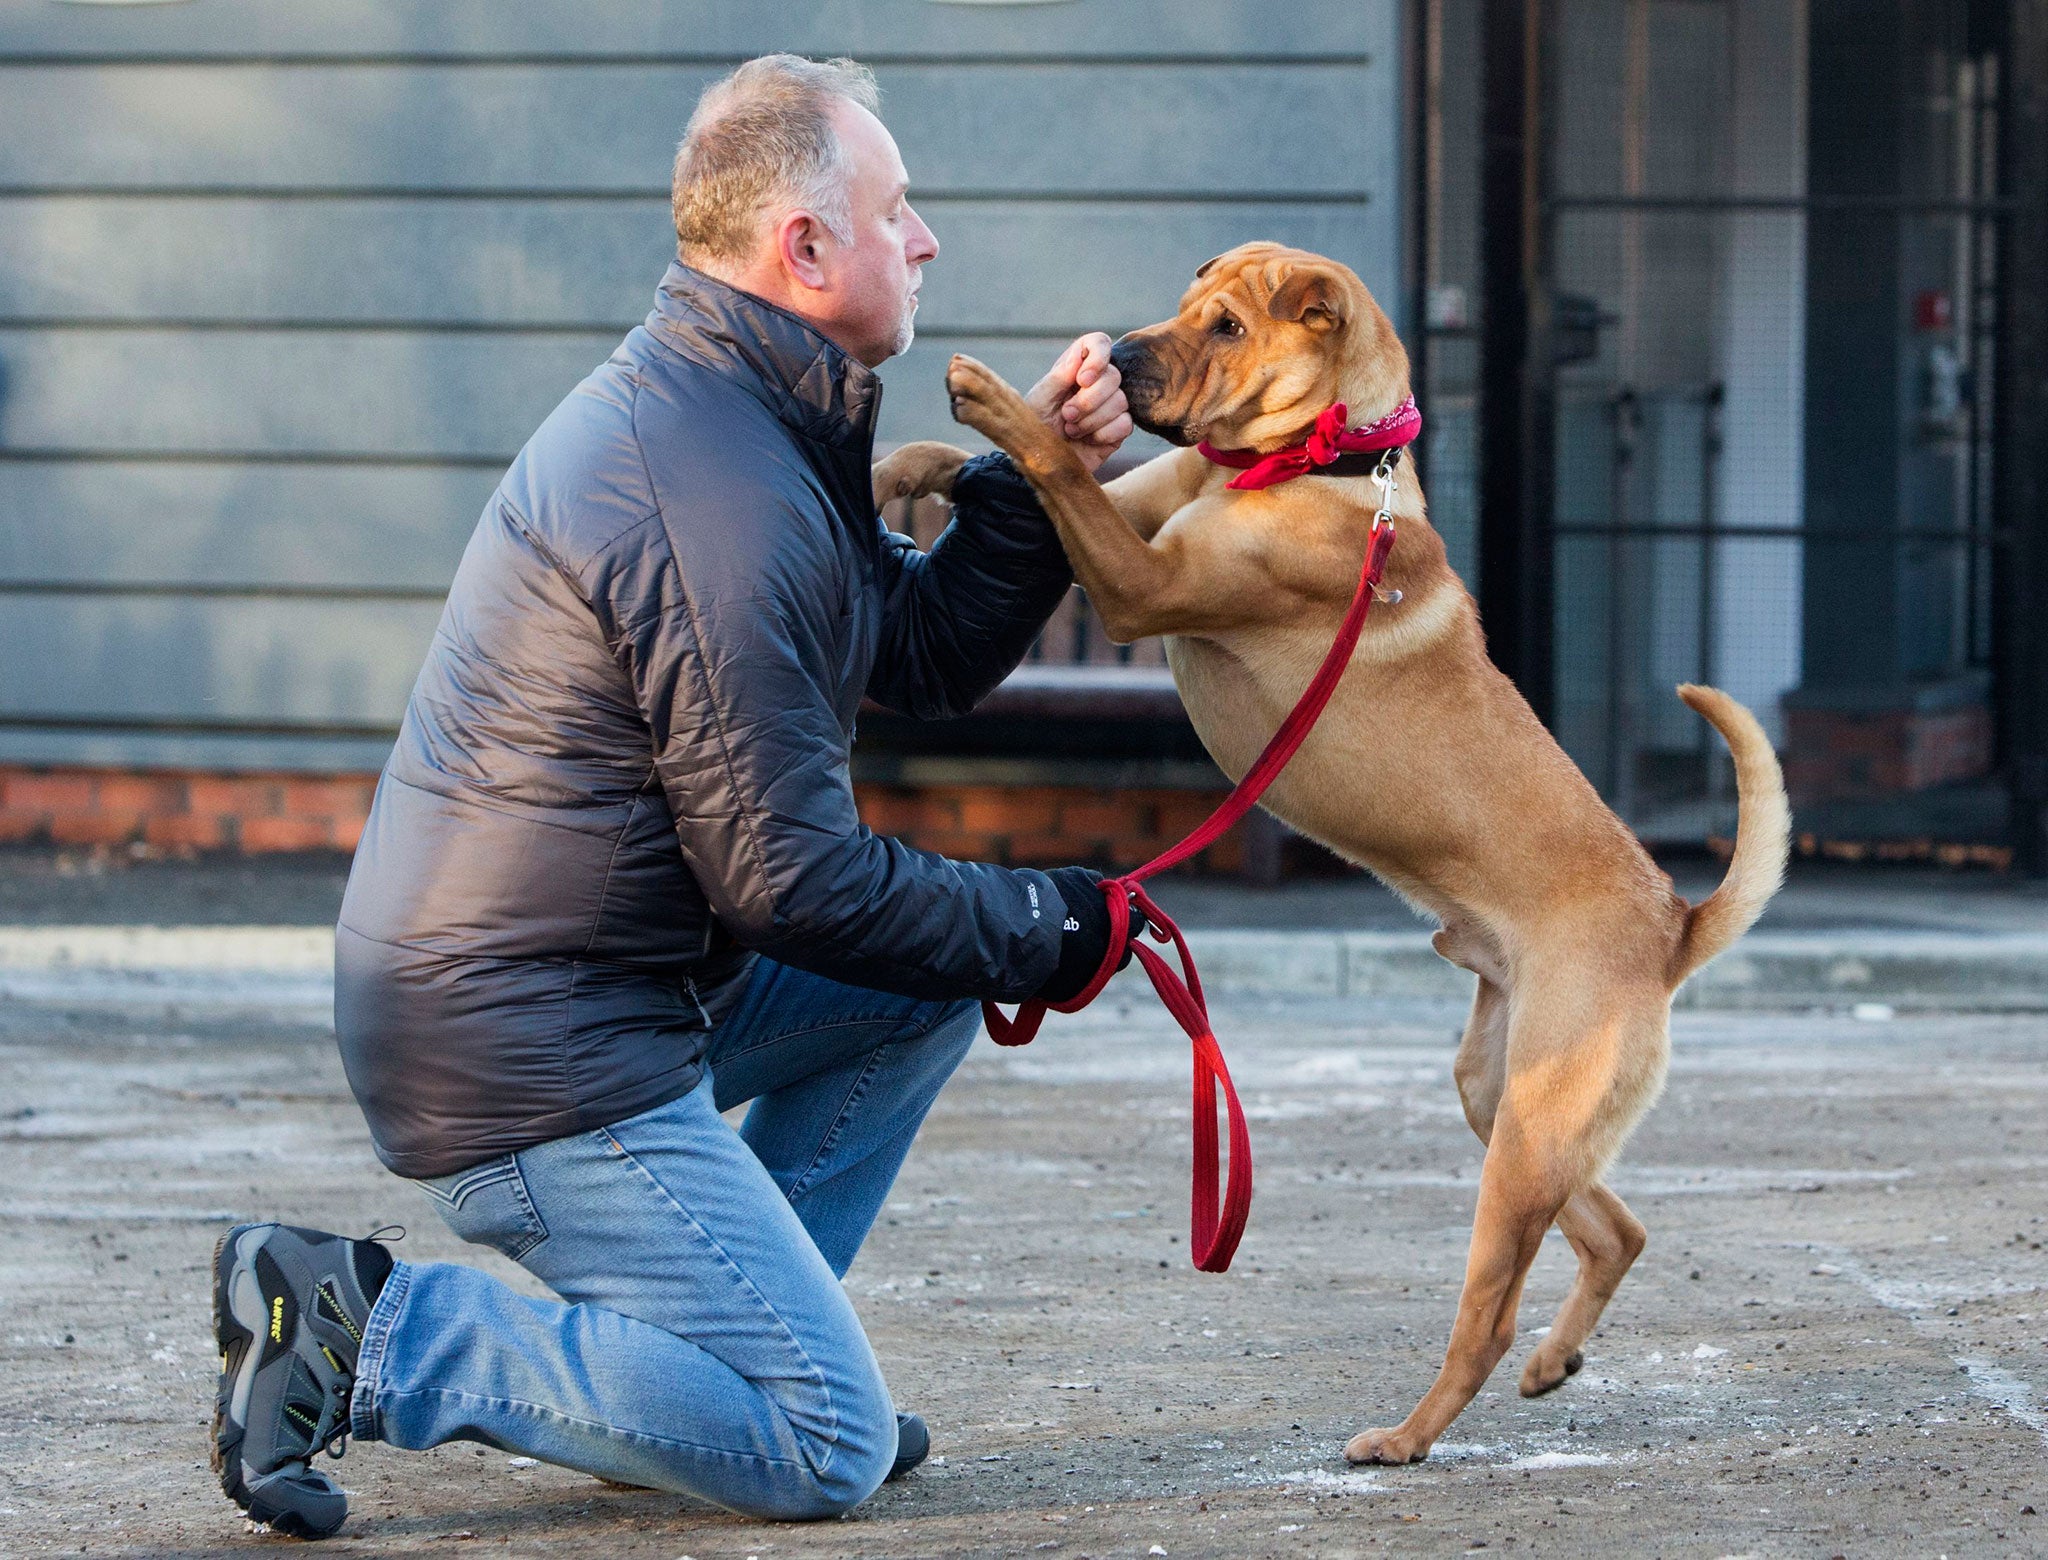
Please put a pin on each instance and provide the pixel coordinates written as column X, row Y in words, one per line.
column 177, row 813
column 1837, row 755
column 1047, row 826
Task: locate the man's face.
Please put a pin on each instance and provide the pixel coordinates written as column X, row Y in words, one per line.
column 875, row 275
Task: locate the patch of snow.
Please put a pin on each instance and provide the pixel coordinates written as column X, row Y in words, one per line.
column 1355, row 1482
column 2008, row 1391
column 1561, row 1460
column 1462, row 1451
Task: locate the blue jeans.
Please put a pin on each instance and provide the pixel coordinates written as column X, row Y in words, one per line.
column 702, row 1343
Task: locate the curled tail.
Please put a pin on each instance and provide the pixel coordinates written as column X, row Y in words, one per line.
column 1763, row 835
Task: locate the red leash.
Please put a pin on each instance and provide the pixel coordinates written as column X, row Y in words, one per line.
column 1213, row 1230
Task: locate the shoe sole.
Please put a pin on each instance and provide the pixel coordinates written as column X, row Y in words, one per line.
column 228, row 1331
column 227, row 1446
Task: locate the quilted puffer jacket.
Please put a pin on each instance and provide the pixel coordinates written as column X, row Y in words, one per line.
column 623, row 772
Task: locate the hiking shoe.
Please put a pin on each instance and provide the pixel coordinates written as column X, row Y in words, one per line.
column 913, row 1445
column 289, row 1306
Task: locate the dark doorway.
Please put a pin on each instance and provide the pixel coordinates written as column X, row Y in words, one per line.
column 1714, row 330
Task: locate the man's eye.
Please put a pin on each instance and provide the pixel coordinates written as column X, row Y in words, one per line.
column 1226, row 325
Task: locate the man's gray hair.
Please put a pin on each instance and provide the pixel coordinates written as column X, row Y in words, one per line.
column 763, row 138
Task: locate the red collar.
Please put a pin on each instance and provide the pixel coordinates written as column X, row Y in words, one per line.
column 1328, row 440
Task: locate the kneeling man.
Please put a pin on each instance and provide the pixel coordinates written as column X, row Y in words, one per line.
column 614, row 883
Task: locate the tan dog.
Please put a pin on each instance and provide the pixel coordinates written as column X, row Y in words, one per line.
column 1428, row 766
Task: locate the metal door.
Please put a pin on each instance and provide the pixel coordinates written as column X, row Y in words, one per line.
column 1751, row 358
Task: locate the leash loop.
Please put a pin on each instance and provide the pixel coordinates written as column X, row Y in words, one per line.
column 1217, row 1206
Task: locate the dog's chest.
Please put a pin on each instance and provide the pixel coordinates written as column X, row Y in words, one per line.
column 1227, row 700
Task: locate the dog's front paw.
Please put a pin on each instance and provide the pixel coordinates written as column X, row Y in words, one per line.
column 1397, row 1445
column 986, row 402
column 1548, row 1369
column 916, row 470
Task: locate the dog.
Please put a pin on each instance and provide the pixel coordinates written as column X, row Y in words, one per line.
column 1428, row 767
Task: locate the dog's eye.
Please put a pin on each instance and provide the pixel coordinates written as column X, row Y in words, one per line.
column 1226, row 325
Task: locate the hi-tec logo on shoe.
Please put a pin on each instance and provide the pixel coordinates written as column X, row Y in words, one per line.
column 277, row 1319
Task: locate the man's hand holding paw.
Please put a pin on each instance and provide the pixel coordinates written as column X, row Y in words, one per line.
column 1081, row 398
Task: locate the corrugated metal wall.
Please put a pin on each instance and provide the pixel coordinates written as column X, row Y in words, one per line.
column 284, row 287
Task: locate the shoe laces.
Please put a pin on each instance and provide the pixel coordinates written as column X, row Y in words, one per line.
column 336, row 1444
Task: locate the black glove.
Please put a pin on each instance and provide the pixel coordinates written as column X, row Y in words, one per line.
column 1084, row 941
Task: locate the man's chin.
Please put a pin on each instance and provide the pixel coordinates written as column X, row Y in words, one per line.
column 898, row 345
column 875, row 357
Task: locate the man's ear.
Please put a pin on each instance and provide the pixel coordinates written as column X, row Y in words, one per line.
column 797, row 238
column 1311, row 294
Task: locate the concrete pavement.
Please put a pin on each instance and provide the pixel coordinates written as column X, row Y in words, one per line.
column 1836, row 1344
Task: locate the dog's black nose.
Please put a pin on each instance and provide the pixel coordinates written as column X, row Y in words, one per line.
column 1127, row 357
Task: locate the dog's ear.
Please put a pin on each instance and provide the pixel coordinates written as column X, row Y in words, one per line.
column 1206, row 267
column 1312, row 294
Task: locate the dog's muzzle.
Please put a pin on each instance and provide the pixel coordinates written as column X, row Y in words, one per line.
column 1142, row 383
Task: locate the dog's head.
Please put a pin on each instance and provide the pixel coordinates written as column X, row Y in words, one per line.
column 1265, row 339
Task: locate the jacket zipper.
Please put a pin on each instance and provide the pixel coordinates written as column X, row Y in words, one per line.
column 690, row 986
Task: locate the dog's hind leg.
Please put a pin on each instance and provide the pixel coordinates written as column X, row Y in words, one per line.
column 1606, row 1236
column 1608, row 1239
column 1578, row 1076
column 1481, row 1069
column 1523, row 1184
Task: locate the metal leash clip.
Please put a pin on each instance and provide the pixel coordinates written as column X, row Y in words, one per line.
column 1383, row 478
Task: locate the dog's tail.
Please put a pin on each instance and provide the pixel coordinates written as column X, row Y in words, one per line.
column 1763, row 834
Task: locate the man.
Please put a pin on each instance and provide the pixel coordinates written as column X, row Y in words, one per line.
column 614, row 883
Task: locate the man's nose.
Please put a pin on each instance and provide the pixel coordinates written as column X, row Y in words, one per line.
column 924, row 245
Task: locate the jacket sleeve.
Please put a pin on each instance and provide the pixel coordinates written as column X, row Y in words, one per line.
column 731, row 669
column 957, row 619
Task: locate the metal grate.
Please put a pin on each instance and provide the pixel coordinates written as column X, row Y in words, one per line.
column 1703, row 213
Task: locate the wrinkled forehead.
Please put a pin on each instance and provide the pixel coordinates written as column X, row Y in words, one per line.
column 1252, row 272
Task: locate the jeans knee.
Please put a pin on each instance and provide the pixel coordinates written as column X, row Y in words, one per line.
column 862, row 1452
column 842, row 1472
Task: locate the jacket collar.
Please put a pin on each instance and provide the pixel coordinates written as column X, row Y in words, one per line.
column 807, row 382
